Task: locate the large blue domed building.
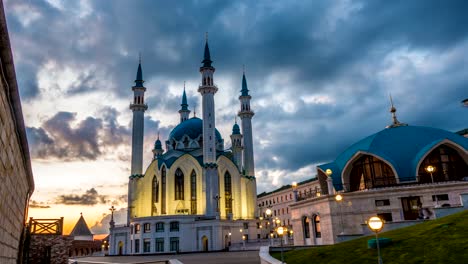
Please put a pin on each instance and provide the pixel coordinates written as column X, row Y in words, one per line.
column 403, row 174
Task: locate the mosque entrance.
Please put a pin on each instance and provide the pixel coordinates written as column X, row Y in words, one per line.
column 410, row 207
column 205, row 243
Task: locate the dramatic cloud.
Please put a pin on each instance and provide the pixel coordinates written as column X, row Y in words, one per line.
column 102, row 226
column 319, row 72
column 90, row 197
column 40, row 205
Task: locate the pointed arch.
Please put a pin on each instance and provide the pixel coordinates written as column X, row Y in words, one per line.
column 317, row 226
column 228, row 193
column 163, row 190
column 193, row 192
column 368, row 170
column 306, row 226
column 154, row 195
column 449, row 159
column 179, row 184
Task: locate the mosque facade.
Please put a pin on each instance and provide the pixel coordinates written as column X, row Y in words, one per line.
column 195, row 195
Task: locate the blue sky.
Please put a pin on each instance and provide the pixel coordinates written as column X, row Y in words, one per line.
column 319, row 72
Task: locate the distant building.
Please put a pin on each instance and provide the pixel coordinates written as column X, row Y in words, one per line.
column 195, row 196
column 387, row 174
column 17, row 183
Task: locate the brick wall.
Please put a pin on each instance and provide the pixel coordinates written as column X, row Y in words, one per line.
column 53, row 249
column 16, row 184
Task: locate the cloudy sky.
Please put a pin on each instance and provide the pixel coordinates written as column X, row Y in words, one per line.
column 320, row 74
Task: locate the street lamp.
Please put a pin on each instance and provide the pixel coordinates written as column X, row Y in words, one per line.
column 268, row 214
column 229, row 238
column 329, row 173
column 338, row 199
column 376, row 224
column 431, row 169
column 280, row 230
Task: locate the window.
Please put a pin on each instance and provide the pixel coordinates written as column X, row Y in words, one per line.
column 193, row 192
column 137, row 228
column 163, row 190
column 179, row 184
column 174, row 226
column 228, row 193
column 317, row 228
column 258, row 225
column 306, row 228
column 155, row 195
column 370, row 172
column 146, row 245
column 440, row 197
column 159, row 244
column 384, row 202
column 174, row 244
column 147, row 227
column 160, row 227
column 450, row 166
column 137, row 245
column 246, row 226
column 386, row 217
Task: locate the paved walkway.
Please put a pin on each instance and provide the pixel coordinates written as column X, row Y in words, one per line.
column 247, row 257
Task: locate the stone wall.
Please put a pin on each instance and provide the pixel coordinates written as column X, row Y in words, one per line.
column 15, row 169
column 53, row 249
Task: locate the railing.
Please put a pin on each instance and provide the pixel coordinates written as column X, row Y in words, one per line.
column 46, row 226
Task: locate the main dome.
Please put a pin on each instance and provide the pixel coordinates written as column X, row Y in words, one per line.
column 193, row 128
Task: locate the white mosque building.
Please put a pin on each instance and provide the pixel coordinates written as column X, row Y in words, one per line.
column 195, row 196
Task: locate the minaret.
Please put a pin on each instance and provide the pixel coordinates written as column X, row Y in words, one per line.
column 184, row 111
column 395, row 122
column 246, row 115
column 207, row 89
column 138, row 107
column 157, row 151
column 236, row 139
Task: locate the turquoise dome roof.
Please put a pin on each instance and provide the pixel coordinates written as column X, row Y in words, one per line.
column 235, row 129
column 403, row 147
column 192, row 127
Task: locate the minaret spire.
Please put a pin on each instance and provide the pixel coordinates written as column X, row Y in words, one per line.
column 248, row 172
column 395, row 122
column 184, row 111
column 207, row 89
column 138, row 108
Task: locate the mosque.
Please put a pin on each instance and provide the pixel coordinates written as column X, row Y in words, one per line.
column 196, row 194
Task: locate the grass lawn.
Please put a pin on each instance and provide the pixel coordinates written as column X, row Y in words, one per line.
column 444, row 240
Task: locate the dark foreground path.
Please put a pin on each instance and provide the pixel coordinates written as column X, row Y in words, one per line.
column 247, row 257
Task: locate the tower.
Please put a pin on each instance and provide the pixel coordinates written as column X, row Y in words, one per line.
column 246, row 115
column 157, row 151
column 138, row 108
column 236, row 139
column 207, row 89
column 184, row 111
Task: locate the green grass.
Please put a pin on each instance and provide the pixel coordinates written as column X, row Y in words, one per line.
column 444, row 240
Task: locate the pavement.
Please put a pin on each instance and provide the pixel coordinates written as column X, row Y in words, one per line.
column 247, row 257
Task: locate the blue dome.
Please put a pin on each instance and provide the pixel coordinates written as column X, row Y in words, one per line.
column 193, row 128
column 235, row 129
column 403, row 147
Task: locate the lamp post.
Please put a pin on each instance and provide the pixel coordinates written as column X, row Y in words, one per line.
column 431, row 169
column 339, row 199
column 243, row 241
column 376, row 224
column 229, row 238
column 294, row 187
column 268, row 214
column 280, row 231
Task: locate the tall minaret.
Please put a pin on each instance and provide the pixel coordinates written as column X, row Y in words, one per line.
column 138, row 107
column 184, row 111
column 207, row 89
column 236, row 139
column 249, row 172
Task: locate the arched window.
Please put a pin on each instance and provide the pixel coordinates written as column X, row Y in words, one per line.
column 449, row 165
column 228, row 193
column 370, row 172
column 179, row 185
column 317, row 228
column 163, row 190
column 306, row 226
column 193, row 192
column 155, row 195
